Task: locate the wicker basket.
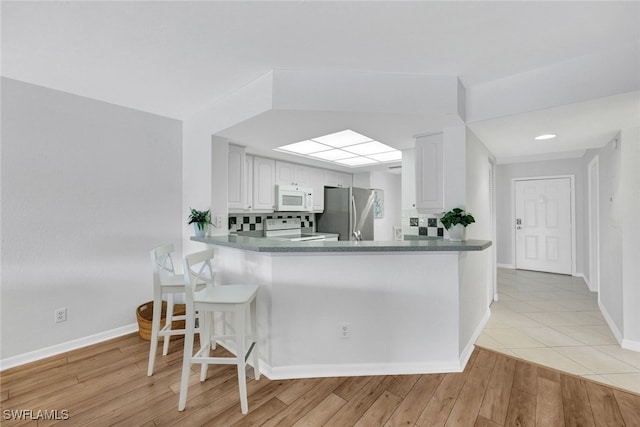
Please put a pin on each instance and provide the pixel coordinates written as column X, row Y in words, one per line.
column 144, row 313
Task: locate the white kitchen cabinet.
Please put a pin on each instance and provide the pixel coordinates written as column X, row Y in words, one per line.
column 263, row 184
column 408, row 179
column 429, row 173
column 292, row 174
column 237, row 178
column 337, row 179
column 316, row 181
column 248, row 182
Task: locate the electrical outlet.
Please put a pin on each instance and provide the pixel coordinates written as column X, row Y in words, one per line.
column 61, row 315
column 345, row 330
column 218, row 221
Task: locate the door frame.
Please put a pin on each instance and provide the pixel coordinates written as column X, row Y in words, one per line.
column 593, row 201
column 572, row 208
column 492, row 206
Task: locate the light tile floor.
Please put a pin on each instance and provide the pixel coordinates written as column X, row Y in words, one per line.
column 554, row 320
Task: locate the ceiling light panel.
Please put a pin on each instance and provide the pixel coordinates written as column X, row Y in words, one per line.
column 305, row 147
column 357, row 161
column 347, row 148
column 387, row 157
column 342, row 138
column 373, row 147
column 334, row 154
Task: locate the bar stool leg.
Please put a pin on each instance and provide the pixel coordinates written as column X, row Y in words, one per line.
column 206, row 332
column 167, row 339
column 254, row 334
column 155, row 329
column 240, row 355
column 186, row 358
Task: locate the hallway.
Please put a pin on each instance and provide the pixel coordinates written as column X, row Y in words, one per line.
column 554, row 320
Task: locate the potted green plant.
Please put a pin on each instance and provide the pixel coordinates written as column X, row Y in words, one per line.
column 455, row 222
column 200, row 221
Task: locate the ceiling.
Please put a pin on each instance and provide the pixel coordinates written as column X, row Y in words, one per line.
column 177, row 58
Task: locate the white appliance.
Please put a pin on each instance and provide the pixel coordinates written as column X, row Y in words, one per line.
column 288, row 229
column 292, row 198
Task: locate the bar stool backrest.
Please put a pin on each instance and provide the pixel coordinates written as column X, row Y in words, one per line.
column 162, row 264
column 198, row 269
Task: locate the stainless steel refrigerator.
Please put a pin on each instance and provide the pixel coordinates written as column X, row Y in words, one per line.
column 348, row 212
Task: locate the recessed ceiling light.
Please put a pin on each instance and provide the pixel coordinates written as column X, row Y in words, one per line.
column 545, row 136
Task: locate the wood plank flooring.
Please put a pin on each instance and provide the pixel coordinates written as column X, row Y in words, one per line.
column 106, row 384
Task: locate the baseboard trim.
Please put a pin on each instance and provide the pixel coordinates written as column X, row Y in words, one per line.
column 356, row 370
column 22, row 359
column 586, row 280
column 507, row 266
column 468, row 348
column 630, row 345
column 607, row 318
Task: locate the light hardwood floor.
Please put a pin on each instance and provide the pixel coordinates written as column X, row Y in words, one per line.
column 106, row 384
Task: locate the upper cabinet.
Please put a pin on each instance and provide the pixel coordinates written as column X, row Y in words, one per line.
column 408, row 179
column 252, row 181
column 237, row 178
column 429, row 174
column 263, row 183
column 292, row 174
column 337, row 179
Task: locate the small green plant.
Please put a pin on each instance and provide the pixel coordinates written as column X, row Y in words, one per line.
column 201, row 218
column 456, row 216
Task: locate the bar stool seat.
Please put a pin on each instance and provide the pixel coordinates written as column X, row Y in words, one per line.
column 237, row 300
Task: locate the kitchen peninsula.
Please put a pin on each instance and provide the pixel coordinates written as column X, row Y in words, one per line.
column 340, row 308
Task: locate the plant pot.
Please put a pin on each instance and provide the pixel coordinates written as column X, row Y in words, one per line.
column 200, row 232
column 456, row 233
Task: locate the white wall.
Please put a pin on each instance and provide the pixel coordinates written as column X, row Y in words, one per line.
column 390, row 184
column 505, row 173
column 630, row 192
column 619, row 296
column 610, row 295
column 88, row 188
column 478, row 203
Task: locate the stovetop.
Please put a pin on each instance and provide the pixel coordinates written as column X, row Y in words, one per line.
column 288, row 229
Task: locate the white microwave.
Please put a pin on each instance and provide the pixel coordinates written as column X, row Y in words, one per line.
column 290, row 198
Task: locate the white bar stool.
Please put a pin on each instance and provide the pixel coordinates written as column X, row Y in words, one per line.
column 240, row 300
column 167, row 282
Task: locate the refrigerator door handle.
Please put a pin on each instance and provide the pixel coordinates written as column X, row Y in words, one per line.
column 354, row 214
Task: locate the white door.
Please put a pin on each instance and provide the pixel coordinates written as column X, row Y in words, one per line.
column 543, row 225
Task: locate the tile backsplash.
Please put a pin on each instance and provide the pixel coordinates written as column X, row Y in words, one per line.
column 417, row 224
column 255, row 222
